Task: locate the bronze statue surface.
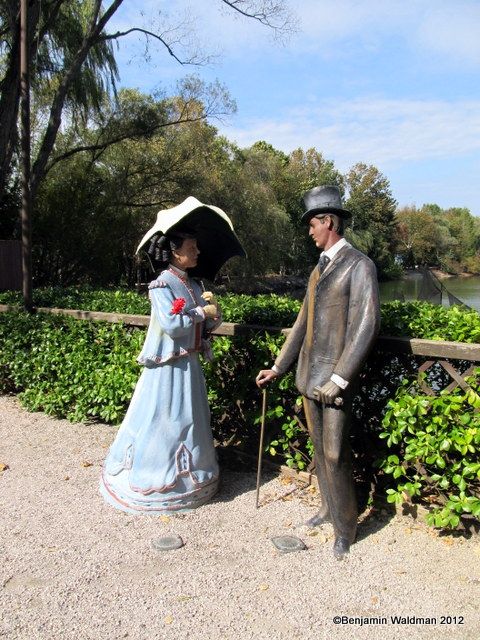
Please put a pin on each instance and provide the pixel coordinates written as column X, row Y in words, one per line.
column 330, row 340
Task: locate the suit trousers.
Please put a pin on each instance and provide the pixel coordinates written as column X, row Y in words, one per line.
column 329, row 428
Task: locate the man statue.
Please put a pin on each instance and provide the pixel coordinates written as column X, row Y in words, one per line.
column 331, row 338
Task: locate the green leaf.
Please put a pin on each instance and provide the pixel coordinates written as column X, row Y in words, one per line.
column 444, row 483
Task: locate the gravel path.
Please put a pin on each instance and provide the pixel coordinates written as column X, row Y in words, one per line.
column 72, row 567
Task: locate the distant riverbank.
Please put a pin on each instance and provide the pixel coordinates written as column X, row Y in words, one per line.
column 442, row 275
column 465, row 287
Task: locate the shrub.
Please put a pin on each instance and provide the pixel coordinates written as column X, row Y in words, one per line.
column 235, row 400
column 436, row 440
column 87, row 371
column 430, row 321
column 85, row 298
column 413, row 319
column 67, row 368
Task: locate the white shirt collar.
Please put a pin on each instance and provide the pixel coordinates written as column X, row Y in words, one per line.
column 334, row 249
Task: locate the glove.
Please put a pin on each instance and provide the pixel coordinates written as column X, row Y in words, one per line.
column 210, row 311
column 329, row 394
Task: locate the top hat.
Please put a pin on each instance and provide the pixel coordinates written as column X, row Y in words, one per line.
column 325, row 199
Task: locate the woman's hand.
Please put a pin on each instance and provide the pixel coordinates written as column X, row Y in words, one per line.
column 210, row 311
column 209, row 297
column 211, row 301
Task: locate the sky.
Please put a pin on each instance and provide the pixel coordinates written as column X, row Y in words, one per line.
column 392, row 83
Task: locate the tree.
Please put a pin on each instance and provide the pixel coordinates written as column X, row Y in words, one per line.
column 251, row 187
column 432, row 236
column 372, row 205
column 78, row 234
column 136, row 117
column 462, row 227
column 118, row 189
column 305, row 170
column 310, row 169
column 418, row 236
column 73, row 66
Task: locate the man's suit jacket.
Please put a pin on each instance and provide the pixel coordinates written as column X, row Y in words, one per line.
column 337, row 324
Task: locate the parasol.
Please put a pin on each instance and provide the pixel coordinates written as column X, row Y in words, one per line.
column 213, row 230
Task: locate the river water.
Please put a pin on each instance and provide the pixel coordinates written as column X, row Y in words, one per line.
column 467, row 289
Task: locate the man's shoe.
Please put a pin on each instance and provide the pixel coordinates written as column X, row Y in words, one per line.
column 341, row 548
column 317, row 520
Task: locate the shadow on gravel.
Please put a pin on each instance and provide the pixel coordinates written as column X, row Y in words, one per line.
column 374, row 521
column 238, row 474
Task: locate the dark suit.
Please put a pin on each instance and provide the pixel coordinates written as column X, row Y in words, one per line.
column 333, row 333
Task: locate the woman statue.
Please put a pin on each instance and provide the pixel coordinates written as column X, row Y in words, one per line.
column 163, row 459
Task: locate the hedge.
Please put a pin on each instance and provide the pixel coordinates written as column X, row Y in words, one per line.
column 87, row 371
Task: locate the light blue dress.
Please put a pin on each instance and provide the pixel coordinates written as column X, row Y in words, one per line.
column 163, row 459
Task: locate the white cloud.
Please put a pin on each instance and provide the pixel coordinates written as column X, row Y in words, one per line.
column 452, row 29
column 442, row 27
column 428, row 150
column 175, row 22
column 332, row 20
column 446, row 27
column 209, row 26
column 372, row 130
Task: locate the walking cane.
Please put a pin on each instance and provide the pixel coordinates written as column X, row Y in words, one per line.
column 260, row 448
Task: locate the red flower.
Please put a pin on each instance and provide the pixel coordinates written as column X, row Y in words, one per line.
column 177, row 305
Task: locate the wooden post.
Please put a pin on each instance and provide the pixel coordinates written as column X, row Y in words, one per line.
column 25, row 158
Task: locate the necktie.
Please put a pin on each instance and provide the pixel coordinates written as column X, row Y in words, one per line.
column 322, row 262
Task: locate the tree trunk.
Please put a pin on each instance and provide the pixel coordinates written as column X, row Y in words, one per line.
column 9, row 103
column 10, row 88
column 38, row 170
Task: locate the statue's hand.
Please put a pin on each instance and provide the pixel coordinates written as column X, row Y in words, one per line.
column 210, row 311
column 209, row 297
column 264, row 376
column 329, row 393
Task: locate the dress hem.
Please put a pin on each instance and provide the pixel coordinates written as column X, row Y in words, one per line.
column 177, row 503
